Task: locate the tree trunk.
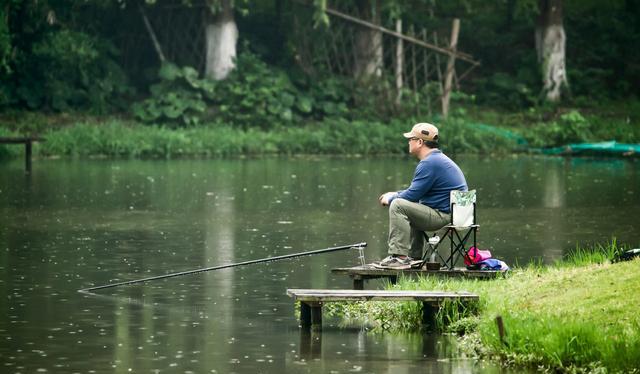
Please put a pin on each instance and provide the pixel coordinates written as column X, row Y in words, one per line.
column 368, row 42
column 550, row 45
column 221, row 38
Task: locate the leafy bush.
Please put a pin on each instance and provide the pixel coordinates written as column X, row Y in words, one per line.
column 178, row 97
column 70, row 69
column 254, row 95
column 570, row 127
column 503, row 90
column 460, row 135
column 8, row 150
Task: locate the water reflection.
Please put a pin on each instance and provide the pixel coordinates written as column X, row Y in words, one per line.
column 76, row 224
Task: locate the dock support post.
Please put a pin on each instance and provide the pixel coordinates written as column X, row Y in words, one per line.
column 316, row 317
column 311, row 315
column 310, row 344
column 27, row 155
column 358, row 283
column 305, row 314
column 429, row 316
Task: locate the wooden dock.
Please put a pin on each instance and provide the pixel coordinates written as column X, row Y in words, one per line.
column 360, row 274
column 27, row 141
column 311, row 301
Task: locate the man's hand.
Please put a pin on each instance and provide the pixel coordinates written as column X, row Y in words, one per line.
column 385, row 197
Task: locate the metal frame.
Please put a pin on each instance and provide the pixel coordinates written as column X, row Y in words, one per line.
column 457, row 242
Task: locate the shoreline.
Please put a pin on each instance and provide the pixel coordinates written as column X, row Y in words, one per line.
column 577, row 315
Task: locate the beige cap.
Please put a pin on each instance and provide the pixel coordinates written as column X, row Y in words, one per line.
column 424, row 131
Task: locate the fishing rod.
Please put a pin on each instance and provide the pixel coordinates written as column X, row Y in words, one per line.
column 268, row 259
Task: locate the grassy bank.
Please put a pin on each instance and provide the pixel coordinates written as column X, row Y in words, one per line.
column 580, row 314
column 469, row 129
column 113, row 137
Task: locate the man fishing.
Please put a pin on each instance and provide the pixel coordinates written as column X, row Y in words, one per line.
column 425, row 205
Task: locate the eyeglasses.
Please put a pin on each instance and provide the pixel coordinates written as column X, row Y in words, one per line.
column 414, row 138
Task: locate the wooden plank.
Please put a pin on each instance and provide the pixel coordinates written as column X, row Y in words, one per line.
column 368, row 271
column 323, row 295
column 457, row 54
column 19, row 140
column 322, row 291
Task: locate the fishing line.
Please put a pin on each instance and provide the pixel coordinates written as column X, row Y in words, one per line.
column 250, row 262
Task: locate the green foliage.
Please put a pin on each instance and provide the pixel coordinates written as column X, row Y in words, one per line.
column 459, row 135
column 60, row 55
column 9, row 150
column 70, row 69
column 456, row 316
column 117, row 138
column 320, row 17
column 570, row 127
column 330, row 136
column 5, row 45
column 601, row 64
column 178, row 97
column 505, row 90
column 254, row 95
column 598, row 254
column 452, row 316
column 379, row 315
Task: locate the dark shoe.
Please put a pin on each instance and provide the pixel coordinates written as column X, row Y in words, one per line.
column 394, row 262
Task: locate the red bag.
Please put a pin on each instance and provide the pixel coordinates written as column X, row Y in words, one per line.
column 476, row 255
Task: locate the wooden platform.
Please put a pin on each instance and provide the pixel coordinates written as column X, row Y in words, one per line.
column 27, row 147
column 361, row 273
column 311, row 301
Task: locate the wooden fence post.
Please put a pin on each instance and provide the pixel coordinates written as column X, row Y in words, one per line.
column 501, row 332
column 399, row 61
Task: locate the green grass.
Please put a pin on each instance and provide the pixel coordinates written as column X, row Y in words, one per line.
column 470, row 129
column 556, row 125
column 119, row 138
column 580, row 314
column 566, row 316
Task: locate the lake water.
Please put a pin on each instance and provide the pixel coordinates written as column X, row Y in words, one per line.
column 76, row 224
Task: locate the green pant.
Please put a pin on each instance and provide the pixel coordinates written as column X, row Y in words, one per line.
column 407, row 222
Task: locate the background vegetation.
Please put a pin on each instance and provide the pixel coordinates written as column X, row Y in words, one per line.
column 68, row 71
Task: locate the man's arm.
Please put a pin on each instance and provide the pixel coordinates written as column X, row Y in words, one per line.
column 421, row 184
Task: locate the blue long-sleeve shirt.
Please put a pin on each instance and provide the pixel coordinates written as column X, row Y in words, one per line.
column 435, row 177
